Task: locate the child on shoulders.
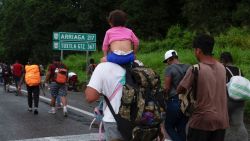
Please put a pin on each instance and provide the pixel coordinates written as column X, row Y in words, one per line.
column 120, row 44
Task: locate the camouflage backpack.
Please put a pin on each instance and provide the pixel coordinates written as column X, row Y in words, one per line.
column 139, row 103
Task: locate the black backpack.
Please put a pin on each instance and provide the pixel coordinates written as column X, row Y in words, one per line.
column 6, row 70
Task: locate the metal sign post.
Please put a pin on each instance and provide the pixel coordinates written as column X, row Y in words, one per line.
column 61, row 55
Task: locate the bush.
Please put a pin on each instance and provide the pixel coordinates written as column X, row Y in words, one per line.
column 77, row 63
column 234, row 37
column 176, row 38
column 179, row 38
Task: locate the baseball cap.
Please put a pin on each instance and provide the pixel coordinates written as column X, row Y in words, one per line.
column 168, row 54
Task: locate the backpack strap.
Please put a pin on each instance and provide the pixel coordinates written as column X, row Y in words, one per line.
column 195, row 71
column 111, row 97
column 110, row 107
column 115, row 91
column 231, row 73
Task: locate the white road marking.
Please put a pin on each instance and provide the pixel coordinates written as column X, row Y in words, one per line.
column 82, row 137
column 70, row 107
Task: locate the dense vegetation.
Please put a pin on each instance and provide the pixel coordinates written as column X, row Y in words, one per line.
column 26, row 26
column 151, row 53
column 234, row 40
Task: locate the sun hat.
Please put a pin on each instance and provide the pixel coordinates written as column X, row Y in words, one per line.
column 168, row 54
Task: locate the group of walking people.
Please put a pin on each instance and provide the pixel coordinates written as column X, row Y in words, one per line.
column 10, row 74
column 216, row 117
column 31, row 75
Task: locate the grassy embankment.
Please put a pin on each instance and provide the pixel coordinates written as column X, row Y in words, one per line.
column 236, row 41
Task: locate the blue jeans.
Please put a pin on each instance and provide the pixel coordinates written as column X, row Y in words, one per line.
column 58, row 89
column 175, row 122
column 58, row 100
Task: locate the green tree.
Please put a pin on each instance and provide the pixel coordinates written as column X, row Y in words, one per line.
column 151, row 19
column 209, row 15
column 242, row 14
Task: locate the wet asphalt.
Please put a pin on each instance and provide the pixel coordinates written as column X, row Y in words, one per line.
column 17, row 123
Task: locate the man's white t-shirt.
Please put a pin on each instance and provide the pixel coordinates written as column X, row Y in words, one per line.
column 105, row 78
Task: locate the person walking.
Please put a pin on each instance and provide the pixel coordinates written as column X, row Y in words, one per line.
column 237, row 130
column 106, row 79
column 73, row 80
column 32, row 79
column 17, row 71
column 57, row 76
column 91, row 67
column 6, row 77
column 210, row 117
column 175, row 122
column 1, row 72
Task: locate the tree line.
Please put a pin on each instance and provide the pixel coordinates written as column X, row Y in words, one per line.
column 26, row 26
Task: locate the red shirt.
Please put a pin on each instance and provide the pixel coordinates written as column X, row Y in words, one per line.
column 17, row 69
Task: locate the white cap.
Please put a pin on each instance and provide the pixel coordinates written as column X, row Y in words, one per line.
column 168, row 54
column 139, row 63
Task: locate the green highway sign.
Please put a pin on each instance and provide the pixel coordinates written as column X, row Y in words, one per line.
column 77, row 46
column 76, row 37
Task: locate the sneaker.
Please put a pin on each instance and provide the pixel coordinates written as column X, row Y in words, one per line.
column 35, row 112
column 58, row 107
column 52, row 111
column 30, row 109
column 65, row 113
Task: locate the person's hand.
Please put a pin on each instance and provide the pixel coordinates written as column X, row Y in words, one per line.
column 19, row 88
column 46, row 85
column 104, row 59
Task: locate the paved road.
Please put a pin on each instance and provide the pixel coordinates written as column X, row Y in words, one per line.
column 16, row 123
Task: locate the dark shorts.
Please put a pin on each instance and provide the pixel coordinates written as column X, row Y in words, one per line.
column 16, row 79
column 7, row 80
column 58, row 89
column 121, row 59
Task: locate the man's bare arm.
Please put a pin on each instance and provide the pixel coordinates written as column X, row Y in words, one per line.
column 91, row 94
